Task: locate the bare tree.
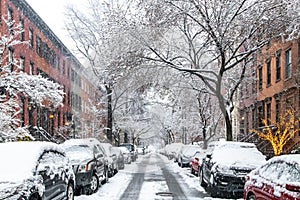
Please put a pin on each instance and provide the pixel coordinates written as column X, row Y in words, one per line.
column 100, row 37
column 212, row 39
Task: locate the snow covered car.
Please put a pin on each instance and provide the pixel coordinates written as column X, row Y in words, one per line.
column 132, row 150
column 172, row 150
column 279, row 178
column 111, row 158
column 126, row 155
column 186, row 154
column 224, row 169
column 196, row 162
column 35, row 170
column 120, row 157
column 88, row 164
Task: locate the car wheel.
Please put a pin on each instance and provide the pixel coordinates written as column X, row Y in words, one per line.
column 94, row 183
column 212, row 188
column 192, row 170
column 106, row 176
column 200, row 175
column 35, row 196
column 70, row 192
column 251, row 197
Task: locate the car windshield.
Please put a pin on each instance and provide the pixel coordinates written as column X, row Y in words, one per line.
column 78, row 149
column 190, row 151
column 130, row 147
column 250, row 157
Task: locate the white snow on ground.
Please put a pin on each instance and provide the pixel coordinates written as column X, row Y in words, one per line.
column 118, row 184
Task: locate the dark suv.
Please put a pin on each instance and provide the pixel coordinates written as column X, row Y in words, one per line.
column 88, row 164
column 224, row 169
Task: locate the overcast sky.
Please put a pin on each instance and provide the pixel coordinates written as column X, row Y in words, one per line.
column 52, row 12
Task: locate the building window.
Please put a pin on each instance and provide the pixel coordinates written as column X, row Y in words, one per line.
column 260, row 116
column 10, row 16
column 69, row 97
column 58, row 63
column 253, row 115
column 31, row 38
column 22, row 30
column 22, row 111
column 260, row 78
column 11, row 58
column 288, row 63
column 278, row 66
column 268, row 72
column 22, row 63
column 31, row 69
column 38, row 45
column 277, row 107
column 68, row 72
column 268, row 110
column 72, row 75
column 64, row 67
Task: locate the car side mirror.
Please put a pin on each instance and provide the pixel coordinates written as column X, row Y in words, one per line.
column 99, row 156
column 43, row 169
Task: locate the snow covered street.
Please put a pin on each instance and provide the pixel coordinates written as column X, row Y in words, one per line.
column 151, row 177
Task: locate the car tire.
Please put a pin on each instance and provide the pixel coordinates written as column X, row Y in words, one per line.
column 106, row 176
column 213, row 191
column 212, row 188
column 192, row 171
column 202, row 182
column 94, row 183
column 70, row 192
column 251, row 197
column 181, row 164
column 35, row 196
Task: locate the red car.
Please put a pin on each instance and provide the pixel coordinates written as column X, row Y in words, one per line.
column 278, row 179
column 196, row 162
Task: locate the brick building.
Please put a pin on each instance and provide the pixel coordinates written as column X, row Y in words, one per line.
column 277, row 77
column 46, row 55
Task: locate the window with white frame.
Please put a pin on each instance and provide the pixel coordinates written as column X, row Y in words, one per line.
column 288, row 63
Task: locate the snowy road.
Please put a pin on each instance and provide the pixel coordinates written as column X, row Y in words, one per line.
column 151, row 177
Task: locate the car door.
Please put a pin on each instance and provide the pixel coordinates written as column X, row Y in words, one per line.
column 265, row 185
column 100, row 162
column 206, row 167
column 51, row 167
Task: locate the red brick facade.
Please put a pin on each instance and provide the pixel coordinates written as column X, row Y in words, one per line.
column 44, row 54
column 277, row 76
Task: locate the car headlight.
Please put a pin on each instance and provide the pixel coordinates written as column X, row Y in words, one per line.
column 84, row 167
column 223, row 169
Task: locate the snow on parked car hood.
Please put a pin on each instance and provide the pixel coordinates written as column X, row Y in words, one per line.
column 242, row 155
column 19, row 159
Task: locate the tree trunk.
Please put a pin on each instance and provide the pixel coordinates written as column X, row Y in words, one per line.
column 227, row 118
column 204, row 138
column 228, row 127
column 109, row 114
